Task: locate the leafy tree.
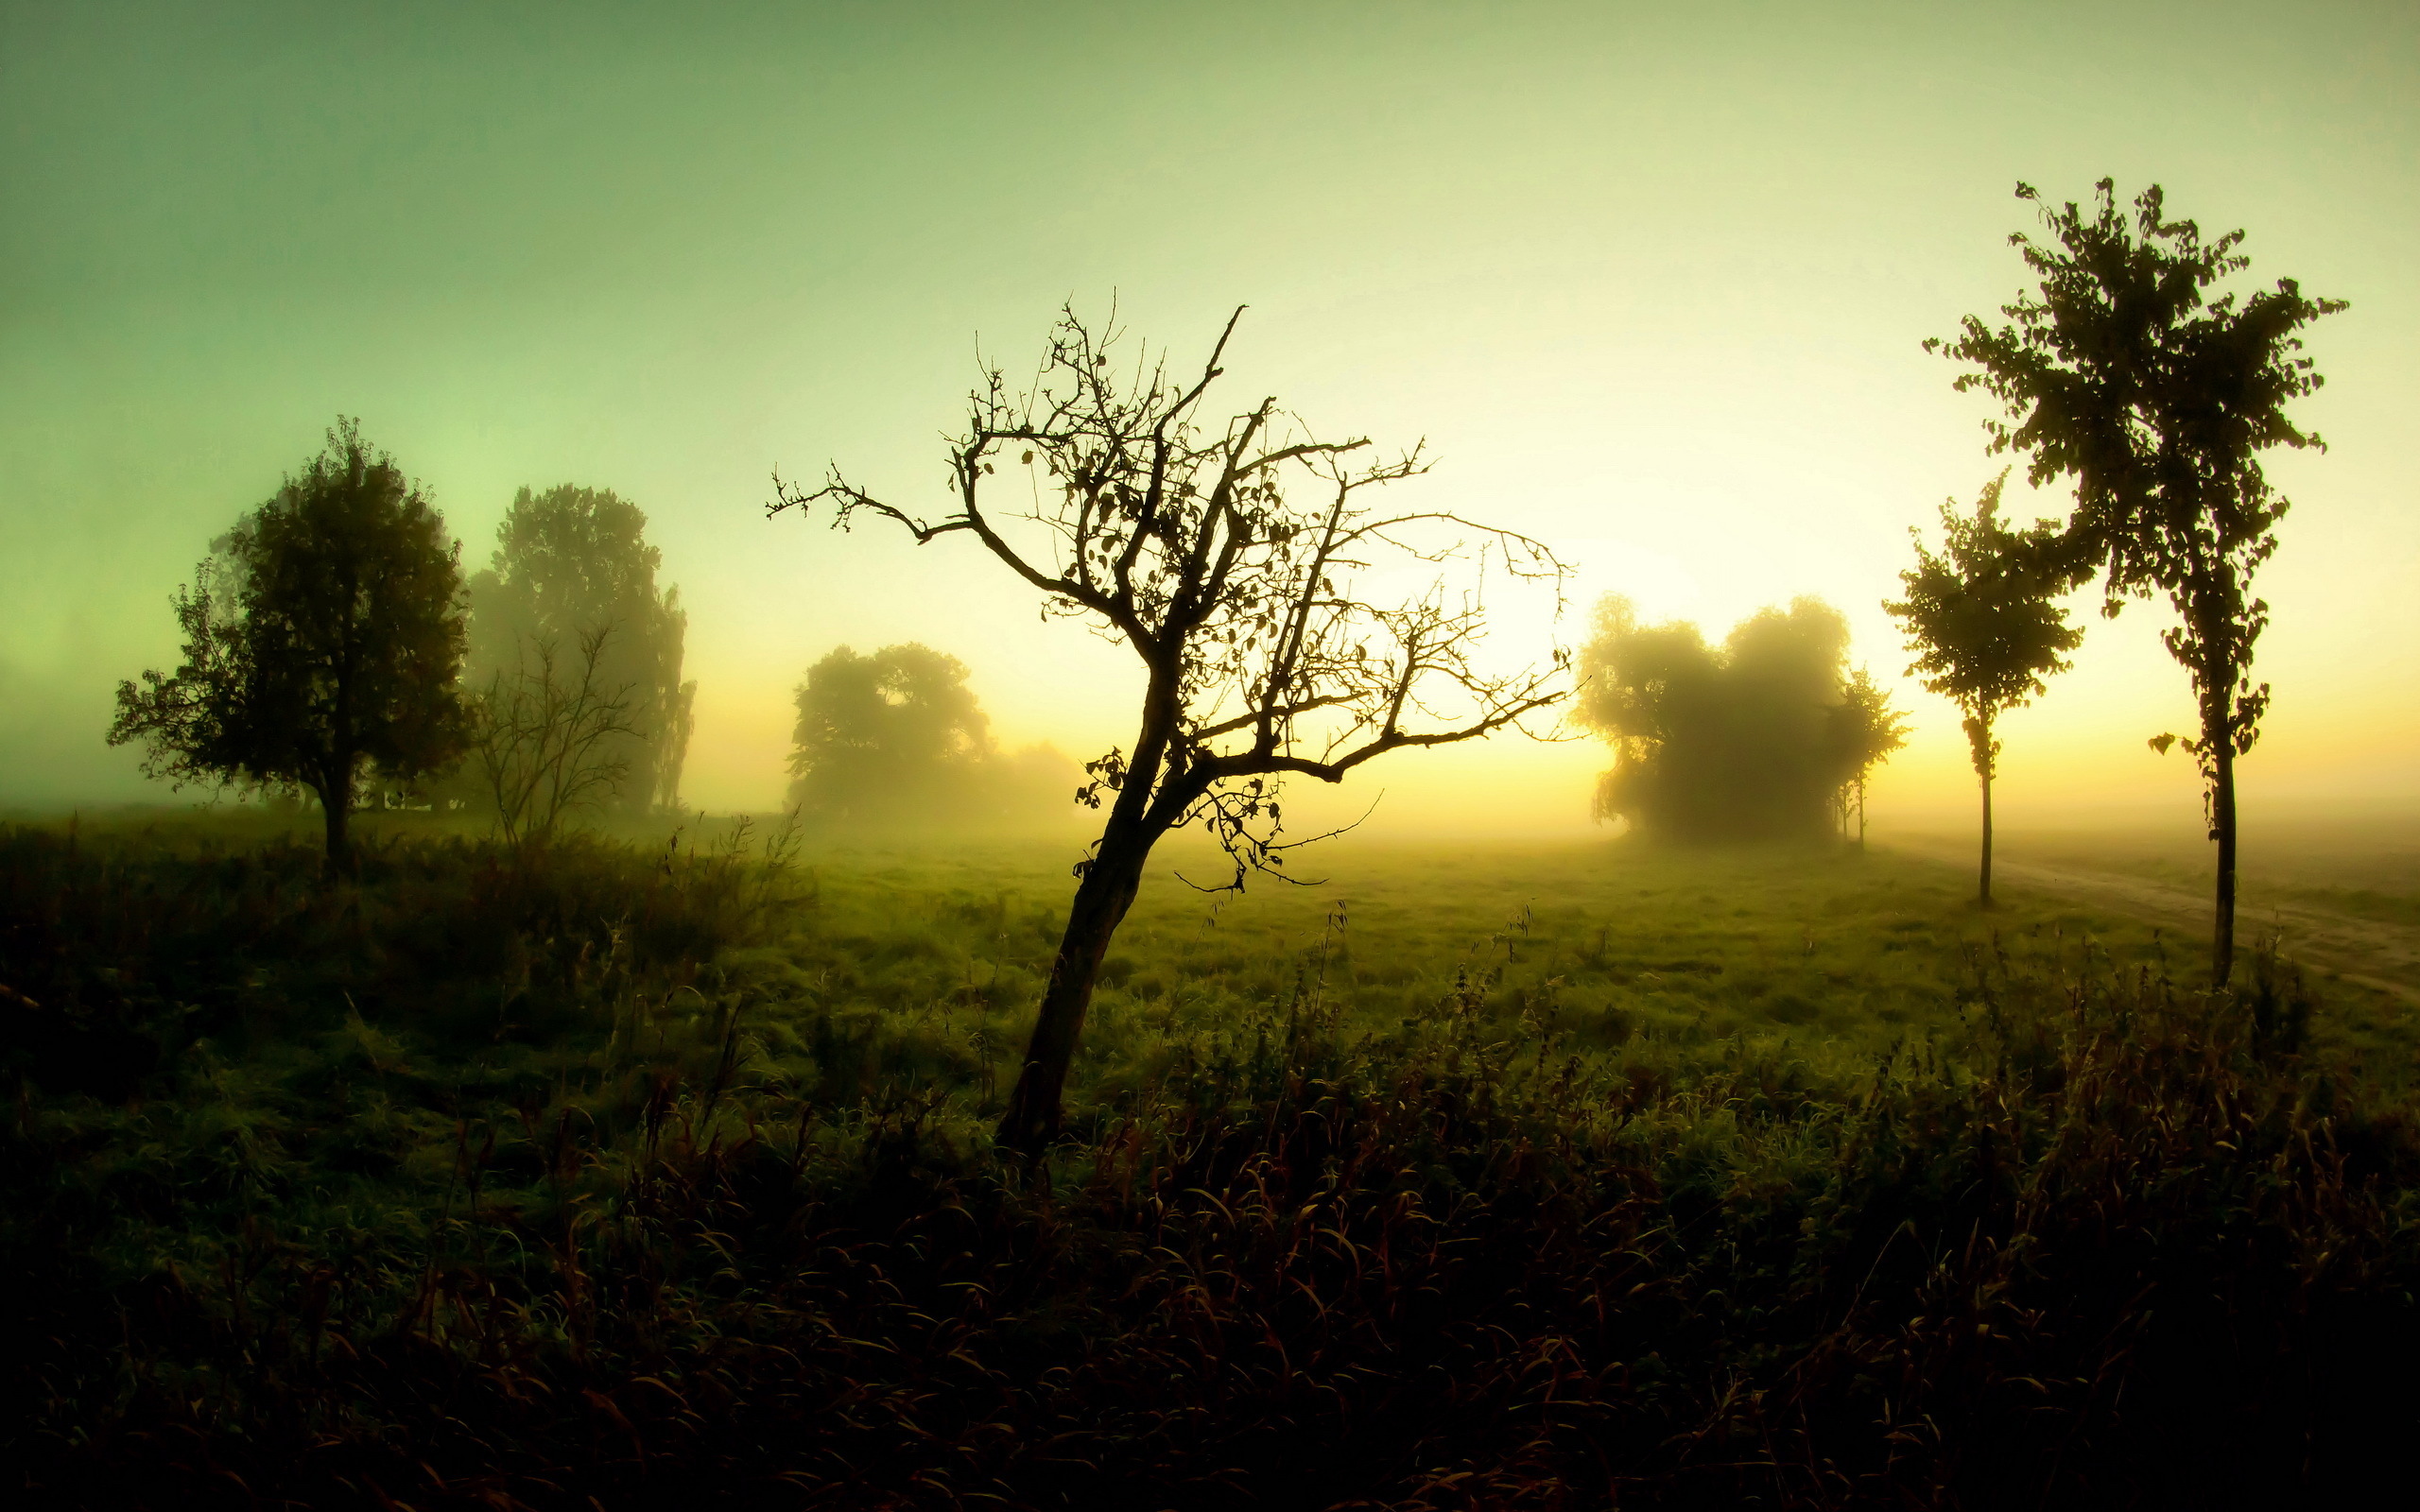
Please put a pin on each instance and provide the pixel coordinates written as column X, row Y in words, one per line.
column 2124, row 375
column 885, row 738
column 571, row 562
column 322, row 641
column 895, row 739
column 1983, row 621
column 1177, row 535
column 1754, row 740
column 1865, row 729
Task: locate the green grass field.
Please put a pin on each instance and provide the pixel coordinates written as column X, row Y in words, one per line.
column 1476, row 1175
column 1621, row 954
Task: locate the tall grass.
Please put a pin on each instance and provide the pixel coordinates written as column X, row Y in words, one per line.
column 654, row 1212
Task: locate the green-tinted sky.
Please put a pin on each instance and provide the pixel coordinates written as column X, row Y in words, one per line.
column 1651, row 279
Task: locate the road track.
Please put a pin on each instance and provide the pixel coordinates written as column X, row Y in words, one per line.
column 2374, row 952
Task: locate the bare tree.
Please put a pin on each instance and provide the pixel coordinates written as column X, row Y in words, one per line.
column 551, row 741
column 1264, row 657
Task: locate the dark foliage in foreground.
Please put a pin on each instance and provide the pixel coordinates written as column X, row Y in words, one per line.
column 2122, row 1247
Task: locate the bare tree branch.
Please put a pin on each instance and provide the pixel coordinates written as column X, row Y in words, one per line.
column 546, row 743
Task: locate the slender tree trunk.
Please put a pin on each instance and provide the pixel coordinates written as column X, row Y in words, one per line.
column 1984, row 897
column 340, row 843
column 2223, row 830
column 1032, row 1119
column 1979, row 733
column 335, row 806
column 335, row 796
column 2216, row 676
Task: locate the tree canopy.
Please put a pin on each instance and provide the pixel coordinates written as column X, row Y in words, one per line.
column 1754, row 740
column 322, row 639
column 1982, row 614
column 569, row 563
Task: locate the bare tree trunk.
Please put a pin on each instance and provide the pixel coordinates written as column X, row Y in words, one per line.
column 335, row 796
column 1032, row 1119
column 1985, row 896
column 1979, row 733
column 2219, row 673
column 335, row 807
column 1138, row 817
column 2223, row 830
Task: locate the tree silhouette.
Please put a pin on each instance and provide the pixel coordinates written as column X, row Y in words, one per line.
column 569, row 563
column 1761, row 738
column 323, row 639
column 1263, row 659
column 1865, row 729
column 888, row 738
column 1981, row 621
column 2123, row 375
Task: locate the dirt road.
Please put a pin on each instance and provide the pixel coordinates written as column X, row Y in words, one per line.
column 2372, row 952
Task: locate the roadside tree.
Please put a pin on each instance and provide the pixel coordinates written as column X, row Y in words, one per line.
column 324, row 638
column 2124, row 375
column 1983, row 620
column 1265, row 650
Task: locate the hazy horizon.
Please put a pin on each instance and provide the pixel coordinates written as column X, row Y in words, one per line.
column 1652, row 287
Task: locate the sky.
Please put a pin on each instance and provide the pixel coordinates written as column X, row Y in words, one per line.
column 1652, row 281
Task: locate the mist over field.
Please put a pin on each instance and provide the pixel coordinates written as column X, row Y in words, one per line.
column 1651, row 288
column 1368, row 756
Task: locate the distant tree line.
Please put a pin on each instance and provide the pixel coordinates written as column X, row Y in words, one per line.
column 2127, row 373
column 334, row 646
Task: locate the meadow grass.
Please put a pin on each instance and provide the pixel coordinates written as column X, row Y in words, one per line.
column 1478, row 1176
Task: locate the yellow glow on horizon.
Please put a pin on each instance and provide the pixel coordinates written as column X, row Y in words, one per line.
column 1652, row 285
